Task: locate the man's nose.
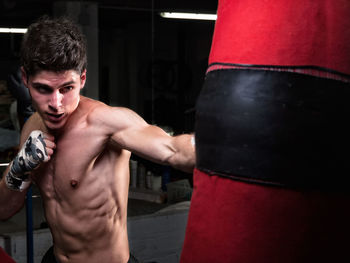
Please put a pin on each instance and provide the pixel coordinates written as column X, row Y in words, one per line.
column 56, row 100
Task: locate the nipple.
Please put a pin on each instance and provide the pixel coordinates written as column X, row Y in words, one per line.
column 74, row 183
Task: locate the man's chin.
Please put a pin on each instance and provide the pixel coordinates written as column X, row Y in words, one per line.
column 54, row 126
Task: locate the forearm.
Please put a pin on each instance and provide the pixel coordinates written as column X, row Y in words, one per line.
column 10, row 201
column 17, row 177
column 184, row 157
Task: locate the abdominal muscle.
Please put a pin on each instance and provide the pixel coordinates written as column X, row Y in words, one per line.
column 87, row 210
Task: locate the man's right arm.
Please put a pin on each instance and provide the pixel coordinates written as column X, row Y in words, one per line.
column 37, row 147
column 10, row 201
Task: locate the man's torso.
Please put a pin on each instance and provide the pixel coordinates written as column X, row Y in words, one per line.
column 84, row 188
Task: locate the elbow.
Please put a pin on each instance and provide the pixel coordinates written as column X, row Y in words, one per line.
column 9, row 210
column 4, row 216
column 3, row 220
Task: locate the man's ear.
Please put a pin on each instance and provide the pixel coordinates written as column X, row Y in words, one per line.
column 24, row 77
column 83, row 79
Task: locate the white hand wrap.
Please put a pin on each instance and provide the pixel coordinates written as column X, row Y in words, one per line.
column 193, row 141
column 29, row 157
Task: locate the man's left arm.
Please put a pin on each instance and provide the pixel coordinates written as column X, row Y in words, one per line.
column 182, row 156
column 132, row 133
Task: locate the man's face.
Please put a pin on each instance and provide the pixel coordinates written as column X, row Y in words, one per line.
column 55, row 96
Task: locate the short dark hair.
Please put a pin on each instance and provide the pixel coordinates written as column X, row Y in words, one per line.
column 54, row 44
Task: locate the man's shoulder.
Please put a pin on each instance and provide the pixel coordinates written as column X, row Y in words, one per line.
column 86, row 102
column 95, row 112
column 100, row 110
column 103, row 115
column 92, row 108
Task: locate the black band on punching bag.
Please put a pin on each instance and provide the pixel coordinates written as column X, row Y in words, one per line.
column 275, row 128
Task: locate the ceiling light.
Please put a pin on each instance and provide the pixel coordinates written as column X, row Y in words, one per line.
column 13, row 30
column 195, row 16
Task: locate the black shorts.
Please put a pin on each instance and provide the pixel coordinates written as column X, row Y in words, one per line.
column 49, row 257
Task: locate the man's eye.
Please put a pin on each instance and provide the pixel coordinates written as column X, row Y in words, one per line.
column 43, row 90
column 66, row 89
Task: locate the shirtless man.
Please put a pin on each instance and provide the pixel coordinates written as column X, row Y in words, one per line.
column 77, row 150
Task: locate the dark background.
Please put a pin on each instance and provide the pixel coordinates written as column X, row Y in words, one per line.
column 152, row 65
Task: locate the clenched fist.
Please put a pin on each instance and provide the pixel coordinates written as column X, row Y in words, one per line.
column 37, row 148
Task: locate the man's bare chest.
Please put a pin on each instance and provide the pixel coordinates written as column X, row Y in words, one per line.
column 73, row 160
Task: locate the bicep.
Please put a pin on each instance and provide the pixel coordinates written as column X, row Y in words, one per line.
column 147, row 141
column 131, row 132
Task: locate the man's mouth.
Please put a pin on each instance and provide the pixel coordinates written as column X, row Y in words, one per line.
column 54, row 117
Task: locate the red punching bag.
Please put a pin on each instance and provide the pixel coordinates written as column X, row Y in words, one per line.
column 270, row 183
column 4, row 258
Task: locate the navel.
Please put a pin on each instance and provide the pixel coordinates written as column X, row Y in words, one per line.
column 74, row 183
